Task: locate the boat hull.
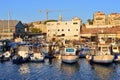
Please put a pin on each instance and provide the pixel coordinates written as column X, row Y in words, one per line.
column 103, row 59
column 69, row 58
column 36, row 57
column 82, row 55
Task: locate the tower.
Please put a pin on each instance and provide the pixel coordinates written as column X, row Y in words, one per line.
column 60, row 17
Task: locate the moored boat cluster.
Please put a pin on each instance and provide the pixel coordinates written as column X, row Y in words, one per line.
column 22, row 52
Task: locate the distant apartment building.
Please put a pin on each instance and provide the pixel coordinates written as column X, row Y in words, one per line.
column 64, row 30
column 99, row 19
column 114, row 19
column 8, row 28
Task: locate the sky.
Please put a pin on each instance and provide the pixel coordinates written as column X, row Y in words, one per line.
column 29, row 10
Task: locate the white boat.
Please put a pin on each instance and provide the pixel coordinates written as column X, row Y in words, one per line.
column 50, row 50
column 102, row 55
column 45, row 49
column 69, row 55
column 23, row 51
column 36, row 56
column 22, row 55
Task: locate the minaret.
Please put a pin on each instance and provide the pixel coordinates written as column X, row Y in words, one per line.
column 60, row 17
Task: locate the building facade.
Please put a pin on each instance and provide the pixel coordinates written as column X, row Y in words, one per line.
column 40, row 25
column 114, row 19
column 64, row 30
column 99, row 18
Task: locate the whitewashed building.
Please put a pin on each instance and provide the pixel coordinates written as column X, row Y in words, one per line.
column 64, row 30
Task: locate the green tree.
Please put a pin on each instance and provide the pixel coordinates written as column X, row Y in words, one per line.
column 90, row 21
column 35, row 30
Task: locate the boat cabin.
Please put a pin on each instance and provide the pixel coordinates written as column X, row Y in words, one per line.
column 70, row 51
column 23, row 51
column 103, row 50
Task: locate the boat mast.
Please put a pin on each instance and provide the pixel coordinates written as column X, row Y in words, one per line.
column 8, row 25
column 3, row 29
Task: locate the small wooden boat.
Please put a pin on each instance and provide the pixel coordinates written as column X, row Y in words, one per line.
column 69, row 55
column 102, row 55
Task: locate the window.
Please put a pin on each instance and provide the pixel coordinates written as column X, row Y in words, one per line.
column 48, row 30
column 63, row 35
column 58, row 23
column 76, row 29
column 48, row 24
column 75, row 23
column 54, row 34
column 11, row 30
column 68, row 29
column 75, row 35
column 58, row 30
column 62, row 29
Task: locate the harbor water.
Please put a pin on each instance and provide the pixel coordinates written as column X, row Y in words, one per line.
column 56, row 70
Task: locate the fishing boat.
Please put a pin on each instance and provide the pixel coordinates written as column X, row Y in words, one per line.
column 102, row 55
column 22, row 55
column 37, row 55
column 69, row 55
column 45, row 49
column 50, row 50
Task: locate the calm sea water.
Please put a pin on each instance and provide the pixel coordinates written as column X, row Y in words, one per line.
column 55, row 70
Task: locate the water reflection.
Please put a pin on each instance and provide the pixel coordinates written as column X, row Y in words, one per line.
column 103, row 72
column 116, row 73
column 24, row 69
column 117, row 67
column 56, row 70
column 48, row 61
column 70, row 69
column 36, row 65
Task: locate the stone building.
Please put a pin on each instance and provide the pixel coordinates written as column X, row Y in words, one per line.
column 114, row 19
column 99, row 18
column 64, row 30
